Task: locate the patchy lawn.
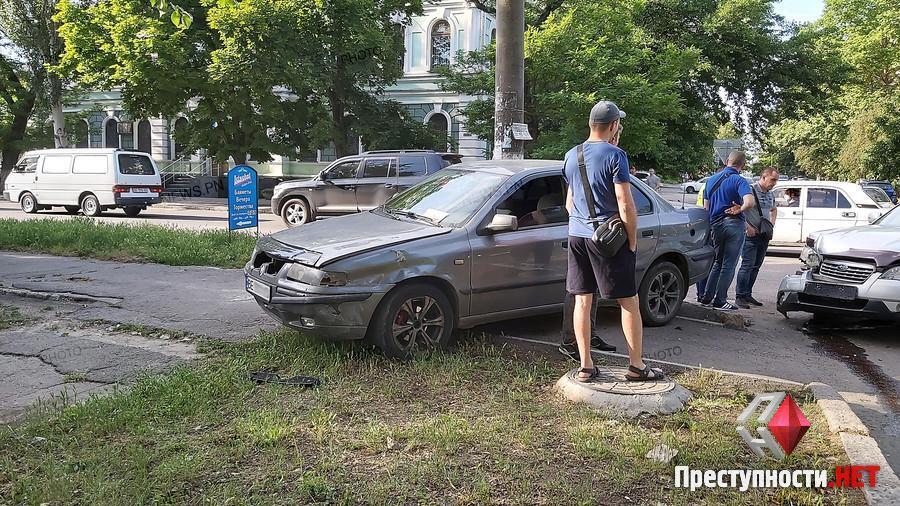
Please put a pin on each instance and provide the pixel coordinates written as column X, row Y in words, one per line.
column 85, row 237
column 479, row 425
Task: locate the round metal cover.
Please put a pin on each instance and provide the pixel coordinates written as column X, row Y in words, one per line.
column 612, row 380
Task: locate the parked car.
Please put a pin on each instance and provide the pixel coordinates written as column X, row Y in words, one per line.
column 886, row 186
column 91, row 180
column 475, row 243
column 694, row 186
column 642, row 175
column 355, row 183
column 822, row 205
column 851, row 271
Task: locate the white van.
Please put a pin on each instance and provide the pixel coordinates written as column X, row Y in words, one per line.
column 805, row 207
column 89, row 180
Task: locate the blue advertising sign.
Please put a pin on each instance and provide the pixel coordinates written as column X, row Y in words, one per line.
column 243, row 209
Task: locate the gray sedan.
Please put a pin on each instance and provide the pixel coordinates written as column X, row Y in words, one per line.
column 474, row 243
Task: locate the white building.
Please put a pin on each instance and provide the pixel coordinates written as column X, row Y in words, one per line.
column 431, row 40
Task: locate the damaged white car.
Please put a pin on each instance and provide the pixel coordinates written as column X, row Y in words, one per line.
column 850, row 271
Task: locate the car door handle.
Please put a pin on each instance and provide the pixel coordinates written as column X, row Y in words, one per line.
column 388, row 185
column 647, row 233
column 848, row 214
column 347, row 187
column 797, row 213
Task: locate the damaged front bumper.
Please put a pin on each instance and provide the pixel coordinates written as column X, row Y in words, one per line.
column 334, row 313
column 876, row 298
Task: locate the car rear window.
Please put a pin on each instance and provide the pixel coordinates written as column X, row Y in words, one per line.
column 411, row 166
column 877, row 194
column 135, row 165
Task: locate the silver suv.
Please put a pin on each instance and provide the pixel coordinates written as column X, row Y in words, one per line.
column 850, row 271
column 355, row 183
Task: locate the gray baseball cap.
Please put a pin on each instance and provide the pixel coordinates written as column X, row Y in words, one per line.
column 606, row 112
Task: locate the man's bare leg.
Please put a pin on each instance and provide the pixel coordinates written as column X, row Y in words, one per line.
column 582, row 321
column 633, row 327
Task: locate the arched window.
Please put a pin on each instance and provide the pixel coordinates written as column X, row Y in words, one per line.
column 82, row 135
column 439, row 123
column 179, row 129
column 144, row 136
column 111, row 133
column 440, row 44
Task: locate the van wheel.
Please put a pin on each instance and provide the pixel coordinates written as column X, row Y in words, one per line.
column 132, row 211
column 661, row 293
column 90, row 206
column 412, row 317
column 296, row 212
column 28, row 203
column 72, row 209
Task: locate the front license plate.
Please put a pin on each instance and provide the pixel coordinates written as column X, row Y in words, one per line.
column 140, row 190
column 841, row 292
column 259, row 289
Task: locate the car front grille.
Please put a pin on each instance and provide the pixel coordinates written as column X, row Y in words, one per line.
column 851, row 272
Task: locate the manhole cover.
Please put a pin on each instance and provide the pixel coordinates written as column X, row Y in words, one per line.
column 612, row 380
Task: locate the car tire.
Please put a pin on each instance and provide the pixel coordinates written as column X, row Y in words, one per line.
column 90, row 206
column 661, row 293
column 132, row 211
column 412, row 317
column 28, row 203
column 296, row 212
column 72, row 209
column 690, row 189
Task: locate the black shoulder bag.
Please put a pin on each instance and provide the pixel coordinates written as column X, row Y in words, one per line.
column 610, row 235
column 766, row 229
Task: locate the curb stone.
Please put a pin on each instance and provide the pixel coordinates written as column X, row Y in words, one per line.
column 859, row 446
column 732, row 320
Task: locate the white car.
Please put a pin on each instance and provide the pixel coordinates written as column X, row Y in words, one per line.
column 823, row 205
column 89, row 180
column 694, row 186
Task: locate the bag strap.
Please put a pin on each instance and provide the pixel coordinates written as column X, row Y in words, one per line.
column 586, row 184
column 715, row 186
column 756, row 197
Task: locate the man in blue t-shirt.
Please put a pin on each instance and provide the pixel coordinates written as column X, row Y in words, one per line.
column 590, row 272
column 727, row 196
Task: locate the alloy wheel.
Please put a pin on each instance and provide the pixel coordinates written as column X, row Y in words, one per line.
column 295, row 214
column 663, row 294
column 419, row 320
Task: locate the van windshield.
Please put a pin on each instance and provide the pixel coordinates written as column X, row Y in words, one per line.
column 135, row 165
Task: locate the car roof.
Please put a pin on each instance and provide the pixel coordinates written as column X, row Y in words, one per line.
column 508, row 167
column 833, row 184
column 69, row 151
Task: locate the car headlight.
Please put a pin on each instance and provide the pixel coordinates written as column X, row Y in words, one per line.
column 893, row 273
column 810, row 257
column 316, row 277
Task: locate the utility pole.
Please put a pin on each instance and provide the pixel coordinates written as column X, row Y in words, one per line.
column 509, row 91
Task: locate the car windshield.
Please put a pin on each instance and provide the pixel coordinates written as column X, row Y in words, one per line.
column 891, row 219
column 877, row 194
column 448, row 198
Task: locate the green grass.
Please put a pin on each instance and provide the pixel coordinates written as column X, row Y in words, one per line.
column 130, row 243
column 11, row 316
column 479, row 425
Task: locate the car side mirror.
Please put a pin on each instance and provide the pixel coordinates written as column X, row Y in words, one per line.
column 873, row 216
column 502, row 223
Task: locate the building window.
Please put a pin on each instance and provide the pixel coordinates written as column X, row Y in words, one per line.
column 111, row 134
column 493, row 35
column 144, row 137
column 82, row 134
column 439, row 123
column 440, row 44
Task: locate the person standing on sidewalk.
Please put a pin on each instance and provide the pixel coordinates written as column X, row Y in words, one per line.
column 758, row 237
column 653, row 180
column 728, row 195
column 604, row 167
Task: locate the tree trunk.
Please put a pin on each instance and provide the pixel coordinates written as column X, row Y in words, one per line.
column 15, row 135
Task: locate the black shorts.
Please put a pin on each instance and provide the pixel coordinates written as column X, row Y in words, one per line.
column 591, row 272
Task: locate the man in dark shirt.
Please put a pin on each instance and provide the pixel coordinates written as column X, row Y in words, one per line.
column 727, row 196
column 590, row 272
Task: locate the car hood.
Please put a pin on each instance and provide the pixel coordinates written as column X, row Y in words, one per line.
column 296, row 183
column 880, row 243
column 325, row 241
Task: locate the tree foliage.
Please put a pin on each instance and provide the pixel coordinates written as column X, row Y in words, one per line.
column 854, row 133
column 253, row 77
